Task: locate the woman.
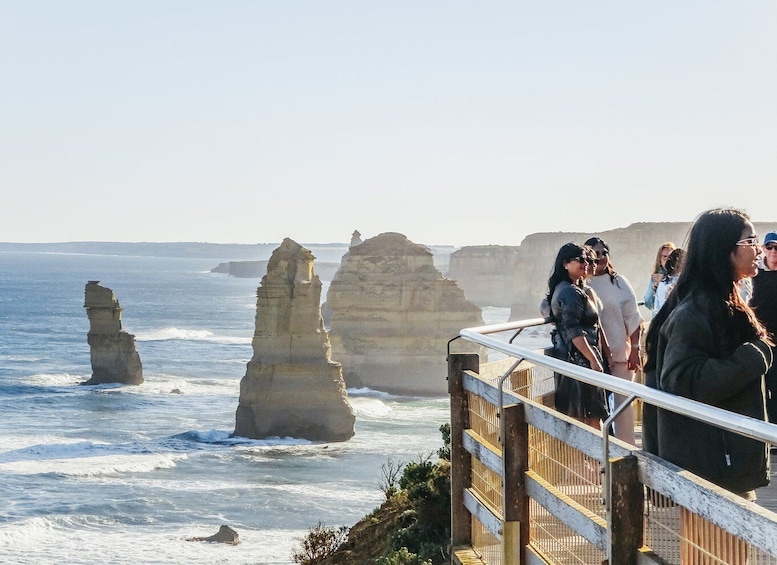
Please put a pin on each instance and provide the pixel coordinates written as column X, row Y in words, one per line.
column 764, row 304
column 707, row 344
column 622, row 324
column 673, row 266
column 659, row 270
column 577, row 335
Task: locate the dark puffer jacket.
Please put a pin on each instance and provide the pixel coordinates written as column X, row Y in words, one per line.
column 696, row 360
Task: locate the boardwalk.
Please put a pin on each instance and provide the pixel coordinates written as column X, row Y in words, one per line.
column 767, row 496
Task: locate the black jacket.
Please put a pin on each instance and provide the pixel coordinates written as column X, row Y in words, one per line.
column 697, row 359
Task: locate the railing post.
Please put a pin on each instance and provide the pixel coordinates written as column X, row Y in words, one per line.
column 515, row 502
column 461, row 463
column 625, row 518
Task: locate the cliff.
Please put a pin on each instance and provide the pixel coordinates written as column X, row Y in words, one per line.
column 112, row 350
column 518, row 276
column 257, row 269
column 291, row 386
column 484, row 273
column 392, row 315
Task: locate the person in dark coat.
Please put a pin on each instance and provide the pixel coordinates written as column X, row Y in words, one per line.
column 764, row 303
column 707, row 344
column 577, row 337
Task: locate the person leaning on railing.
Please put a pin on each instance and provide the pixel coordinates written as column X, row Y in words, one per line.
column 707, row 344
column 577, row 337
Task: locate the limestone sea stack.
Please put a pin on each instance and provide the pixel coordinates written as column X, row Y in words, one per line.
column 112, row 350
column 292, row 388
column 392, row 315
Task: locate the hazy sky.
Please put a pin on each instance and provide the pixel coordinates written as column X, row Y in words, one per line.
column 451, row 122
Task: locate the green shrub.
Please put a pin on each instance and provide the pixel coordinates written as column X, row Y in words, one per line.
column 445, row 451
column 426, row 529
column 403, row 557
column 320, row 543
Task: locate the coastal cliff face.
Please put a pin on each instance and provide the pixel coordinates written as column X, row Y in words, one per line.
column 518, row 276
column 112, row 350
column 392, row 315
column 484, row 273
column 292, row 388
column 632, row 252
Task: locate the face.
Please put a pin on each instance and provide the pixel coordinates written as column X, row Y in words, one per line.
column 601, row 258
column 770, row 254
column 665, row 252
column 746, row 253
column 577, row 267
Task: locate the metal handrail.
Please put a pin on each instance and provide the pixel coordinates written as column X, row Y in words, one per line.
column 737, row 423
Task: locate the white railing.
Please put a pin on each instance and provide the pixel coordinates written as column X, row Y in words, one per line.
column 753, row 526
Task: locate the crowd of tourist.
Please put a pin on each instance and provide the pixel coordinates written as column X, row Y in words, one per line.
column 714, row 313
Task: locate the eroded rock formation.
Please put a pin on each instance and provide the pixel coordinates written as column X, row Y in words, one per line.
column 224, row 535
column 112, row 350
column 484, row 273
column 291, row 386
column 392, row 315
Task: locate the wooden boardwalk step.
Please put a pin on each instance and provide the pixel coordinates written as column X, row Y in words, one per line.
column 466, row 556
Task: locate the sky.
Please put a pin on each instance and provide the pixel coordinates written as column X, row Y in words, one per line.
column 451, row 122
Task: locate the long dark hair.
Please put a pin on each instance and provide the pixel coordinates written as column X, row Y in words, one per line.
column 609, row 269
column 559, row 274
column 708, row 275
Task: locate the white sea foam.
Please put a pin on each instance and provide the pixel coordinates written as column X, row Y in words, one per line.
column 164, row 334
column 369, row 407
column 18, row 443
column 94, row 466
column 371, row 393
column 160, row 383
column 53, row 379
column 23, row 358
column 71, row 539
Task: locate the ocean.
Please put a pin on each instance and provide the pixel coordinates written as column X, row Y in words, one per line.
column 125, row 474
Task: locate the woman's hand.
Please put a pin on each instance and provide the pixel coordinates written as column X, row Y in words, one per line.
column 634, row 361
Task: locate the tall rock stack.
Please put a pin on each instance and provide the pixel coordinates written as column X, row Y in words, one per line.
column 112, row 350
column 392, row 315
column 292, row 388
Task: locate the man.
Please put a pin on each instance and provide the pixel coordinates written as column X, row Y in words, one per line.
column 764, row 303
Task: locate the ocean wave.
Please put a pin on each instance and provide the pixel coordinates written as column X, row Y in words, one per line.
column 218, row 437
column 95, row 465
column 87, row 458
column 86, row 540
column 23, row 358
column 371, row 393
column 172, row 333
column 172, row 384
column 53, row 379
column 369, row 407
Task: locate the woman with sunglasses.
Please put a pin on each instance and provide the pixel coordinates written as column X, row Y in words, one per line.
column 577, row 335
column 707, row 344
column 622, row 324
column 764, row 302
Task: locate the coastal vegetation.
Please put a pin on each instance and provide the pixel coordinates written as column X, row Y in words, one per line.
column 411, row 526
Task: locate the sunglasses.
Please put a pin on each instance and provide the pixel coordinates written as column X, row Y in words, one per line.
column 583, row 260
column 752, row 241
column 770, row 246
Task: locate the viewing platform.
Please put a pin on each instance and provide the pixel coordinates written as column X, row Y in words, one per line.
column 530, row 485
